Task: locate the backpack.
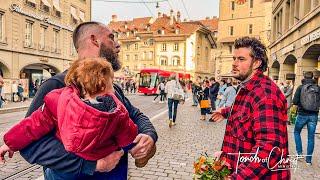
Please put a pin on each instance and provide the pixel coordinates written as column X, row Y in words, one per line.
column 178, row 93
column 310, row 97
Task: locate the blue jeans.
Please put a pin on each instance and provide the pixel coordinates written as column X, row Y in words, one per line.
column 195, row 99
column 120, row 172
column 311, row 122
column 175, row 106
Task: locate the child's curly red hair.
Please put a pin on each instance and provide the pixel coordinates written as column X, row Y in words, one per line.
column 91, row 75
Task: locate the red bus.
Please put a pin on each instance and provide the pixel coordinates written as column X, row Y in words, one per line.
column 150, row 78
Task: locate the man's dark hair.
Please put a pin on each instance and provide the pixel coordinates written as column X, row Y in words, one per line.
column 258, row 50
column 212, row 79
column 308, row 75
column 79, row 31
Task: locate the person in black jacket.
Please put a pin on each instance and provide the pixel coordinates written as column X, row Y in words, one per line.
column 305, row 117
column 213, row 92
column 203, row 94
column 91, row 39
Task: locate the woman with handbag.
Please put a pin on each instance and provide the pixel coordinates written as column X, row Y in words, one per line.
column 175, row 94
column 204, row 100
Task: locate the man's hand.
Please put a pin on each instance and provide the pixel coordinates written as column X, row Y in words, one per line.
column 109, row 162
column 3, row 150
column 217, row 116
column 144, row 144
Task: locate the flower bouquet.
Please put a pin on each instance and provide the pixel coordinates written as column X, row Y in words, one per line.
column 211, row 168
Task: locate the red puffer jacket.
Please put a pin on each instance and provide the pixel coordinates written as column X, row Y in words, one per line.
column 83, row 130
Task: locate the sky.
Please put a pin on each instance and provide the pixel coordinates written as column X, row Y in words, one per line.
column 102, row 10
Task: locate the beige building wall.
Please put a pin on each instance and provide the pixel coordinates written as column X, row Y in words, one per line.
column 238, row 20
column 21, row 54
column 295, row 46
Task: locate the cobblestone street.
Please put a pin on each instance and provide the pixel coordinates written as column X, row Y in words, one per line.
column 178, row 147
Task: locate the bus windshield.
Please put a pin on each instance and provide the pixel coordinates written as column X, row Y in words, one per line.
column 148, row 79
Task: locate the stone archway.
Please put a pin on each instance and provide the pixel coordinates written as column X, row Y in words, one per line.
column 35, row 74
column 311, row 59
column 288, row 68
column 274, row 70
column 5, row 70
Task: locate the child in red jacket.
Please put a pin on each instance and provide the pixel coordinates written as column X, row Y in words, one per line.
column 89, row 119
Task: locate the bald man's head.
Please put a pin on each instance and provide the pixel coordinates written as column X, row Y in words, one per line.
column 84, row 30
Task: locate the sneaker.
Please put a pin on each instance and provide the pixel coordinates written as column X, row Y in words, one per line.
column 143, row 162
column 173, row 123
column 308, row 163
column 153, row 101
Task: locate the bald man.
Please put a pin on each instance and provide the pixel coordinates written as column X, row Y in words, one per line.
column 91, row 39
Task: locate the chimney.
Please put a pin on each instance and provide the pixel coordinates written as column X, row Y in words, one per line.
column 171, row 17
column 207, row 18
column 159, row 14
column 178, row 16
column 114, row 18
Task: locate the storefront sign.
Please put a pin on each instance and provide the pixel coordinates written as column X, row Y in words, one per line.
column 310, row 37
column 287, row 49
column 16, row 8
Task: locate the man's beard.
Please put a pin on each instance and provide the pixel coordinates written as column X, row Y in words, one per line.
column 110, row 56
column 242, row 77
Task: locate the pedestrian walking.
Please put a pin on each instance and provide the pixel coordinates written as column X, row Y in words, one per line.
column 174, row 91
column 213, row 92
column 91, row 39
column 1, row 86
column 222, row 88
column 228, row 96
column 203, row 98
column 307, row 98
column 20, row 92
column 195, row 89
column 14, row 90
column 257, row 120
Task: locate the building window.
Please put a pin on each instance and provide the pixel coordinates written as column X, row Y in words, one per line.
column 43, row 35
column 151, row 55
column 31, row 3
column 144, row 55
column 207, row 53
column 176, row 61
column 56, row 41
column 82, row 16
column 251, row 3
column 231, row 30
column 230, row 49
column 128, row 46
column 28, row 34
column 128, row 57
column 56, row 8
column 232, row 5
column 136, row 46
column 1, row 26
column 250, row 28
column 164, row 47
column 176, row 47
column 74, row 17
column 150, row 42
column 45, row 6
column 163, row 62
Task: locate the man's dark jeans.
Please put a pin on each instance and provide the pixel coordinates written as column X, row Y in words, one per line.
column 311, row 122
column 120, row 172
column 174, row 104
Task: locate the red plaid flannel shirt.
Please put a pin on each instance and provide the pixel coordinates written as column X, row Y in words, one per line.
column 257, row 120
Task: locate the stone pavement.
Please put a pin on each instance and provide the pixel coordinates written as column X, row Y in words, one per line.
column 179, row 147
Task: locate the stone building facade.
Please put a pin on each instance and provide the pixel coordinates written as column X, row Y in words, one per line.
column 295, row 46
column 36, row 38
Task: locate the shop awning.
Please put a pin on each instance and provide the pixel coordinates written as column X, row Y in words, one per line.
column 45, row 2
column 81, row 16
column 56, row 5
column 73, row 13
column 33, row 1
